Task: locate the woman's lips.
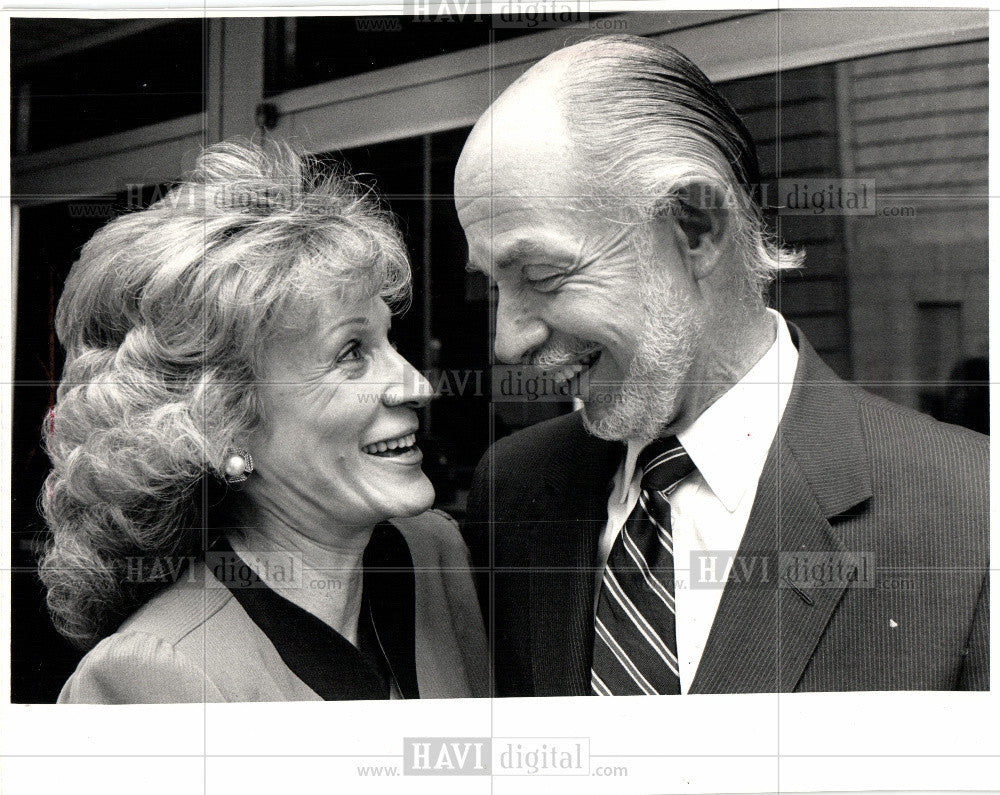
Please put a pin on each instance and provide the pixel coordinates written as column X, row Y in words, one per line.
column 398, row 449
column 408, row 456
column 400, row 443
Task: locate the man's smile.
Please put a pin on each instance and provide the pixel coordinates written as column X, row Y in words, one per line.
column 573, row 369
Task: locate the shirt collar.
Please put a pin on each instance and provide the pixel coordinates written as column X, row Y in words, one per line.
column 316, row 653
column 729, row 441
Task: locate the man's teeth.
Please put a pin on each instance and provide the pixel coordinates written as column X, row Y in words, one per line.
column 399, row 443
column 568, row 371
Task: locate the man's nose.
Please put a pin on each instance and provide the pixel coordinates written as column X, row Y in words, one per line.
column 518, row 332
column 408, row 388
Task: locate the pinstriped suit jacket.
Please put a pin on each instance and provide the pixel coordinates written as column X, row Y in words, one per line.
column 848, row 473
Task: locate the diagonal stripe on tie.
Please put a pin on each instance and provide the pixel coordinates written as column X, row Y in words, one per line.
column 635, row 638
column 598, row 686
column 664, row 458
column 642, row 624
column 652, row 514
column 662, row 532
column 640, row 562
column 624, row 662
column 623, row 659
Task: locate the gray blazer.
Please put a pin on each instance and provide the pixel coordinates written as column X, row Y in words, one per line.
column 194, row 642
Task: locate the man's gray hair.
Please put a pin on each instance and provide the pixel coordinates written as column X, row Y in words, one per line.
column 651, row 125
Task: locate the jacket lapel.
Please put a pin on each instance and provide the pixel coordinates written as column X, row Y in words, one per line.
column 768, row 625
column 572, row 511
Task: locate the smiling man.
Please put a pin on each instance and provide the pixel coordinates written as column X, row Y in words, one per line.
column 721, row 514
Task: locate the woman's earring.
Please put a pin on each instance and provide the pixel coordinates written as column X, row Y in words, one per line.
column 239, row 464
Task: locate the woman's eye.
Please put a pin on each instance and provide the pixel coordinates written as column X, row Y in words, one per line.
column 350, row 353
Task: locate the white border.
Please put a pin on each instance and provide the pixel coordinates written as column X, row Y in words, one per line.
column 910, row 741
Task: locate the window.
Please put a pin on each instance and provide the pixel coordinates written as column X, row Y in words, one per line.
column 309, row 50
column 151, row 76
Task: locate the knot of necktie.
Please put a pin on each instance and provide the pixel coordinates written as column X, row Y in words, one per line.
column 664, row 463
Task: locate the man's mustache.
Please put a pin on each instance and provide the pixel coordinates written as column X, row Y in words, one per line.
column 561, row 355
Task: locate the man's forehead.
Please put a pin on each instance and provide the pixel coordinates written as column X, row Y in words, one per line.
column 493, row 213
column 499, row 202
column 516, row 168
column 520, row 143
column 542, row 245
column 504, row 216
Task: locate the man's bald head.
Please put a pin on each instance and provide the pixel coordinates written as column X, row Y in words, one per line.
column 524, row 127
column 641, row 130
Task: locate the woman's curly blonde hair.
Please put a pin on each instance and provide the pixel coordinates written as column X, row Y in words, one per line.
column 163, row 319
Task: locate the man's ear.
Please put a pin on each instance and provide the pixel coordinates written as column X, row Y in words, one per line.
column 699, row 216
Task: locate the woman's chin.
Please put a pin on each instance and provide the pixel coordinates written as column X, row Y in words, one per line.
column 419, row 497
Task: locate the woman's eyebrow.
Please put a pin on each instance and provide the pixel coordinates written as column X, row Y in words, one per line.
column 360, row 320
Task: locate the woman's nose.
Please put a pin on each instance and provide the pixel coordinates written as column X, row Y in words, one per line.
column 411, row 389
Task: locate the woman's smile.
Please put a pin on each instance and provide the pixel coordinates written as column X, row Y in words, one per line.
column 393, row 447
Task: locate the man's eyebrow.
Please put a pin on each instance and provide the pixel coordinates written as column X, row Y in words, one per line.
column 519, row 252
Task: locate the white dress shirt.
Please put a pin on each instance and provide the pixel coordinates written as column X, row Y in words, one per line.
column 709, row 509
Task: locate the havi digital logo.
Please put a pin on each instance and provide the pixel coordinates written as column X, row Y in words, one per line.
column 441, row 756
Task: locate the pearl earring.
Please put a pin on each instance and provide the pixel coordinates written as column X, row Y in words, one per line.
column 239, row 464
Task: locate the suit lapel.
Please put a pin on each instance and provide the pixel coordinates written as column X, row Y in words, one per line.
column 766, row 630
column 572, row 511
column 767, row 627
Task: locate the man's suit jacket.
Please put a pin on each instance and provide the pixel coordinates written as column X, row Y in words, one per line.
column 193, row 643
column 848, row 473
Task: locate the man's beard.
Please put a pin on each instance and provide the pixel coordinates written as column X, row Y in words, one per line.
column 647, row 399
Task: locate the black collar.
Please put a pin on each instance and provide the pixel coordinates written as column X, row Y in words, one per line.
column 319, row 655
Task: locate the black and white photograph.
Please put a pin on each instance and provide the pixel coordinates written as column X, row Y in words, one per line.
column 571, row 371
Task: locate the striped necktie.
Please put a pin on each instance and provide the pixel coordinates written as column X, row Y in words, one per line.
column 635, row 639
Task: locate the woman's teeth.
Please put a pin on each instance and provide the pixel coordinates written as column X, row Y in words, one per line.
column 400, row 444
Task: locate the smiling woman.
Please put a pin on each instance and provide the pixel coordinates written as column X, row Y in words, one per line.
column 341, row 421
column 236, row 505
